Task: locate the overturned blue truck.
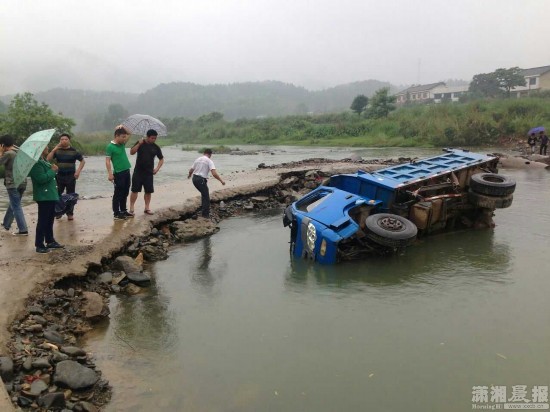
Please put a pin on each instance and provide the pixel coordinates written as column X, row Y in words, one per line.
column 355, row 215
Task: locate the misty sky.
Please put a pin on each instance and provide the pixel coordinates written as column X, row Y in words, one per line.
column 133, row 45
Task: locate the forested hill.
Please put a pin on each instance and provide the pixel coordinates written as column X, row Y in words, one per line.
column 94, row 110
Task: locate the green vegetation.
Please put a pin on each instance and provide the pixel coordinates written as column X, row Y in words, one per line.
column 476, row 123
column 359, row 104
column 25, row 115
column 485, row 122
column 497, row 83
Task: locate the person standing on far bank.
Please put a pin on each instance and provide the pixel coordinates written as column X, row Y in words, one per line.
column 543, row 143
column 66, row 156
column 532, row 142
column 7, row 157
column 145, row 169
column 119, row 174
column 200, row 170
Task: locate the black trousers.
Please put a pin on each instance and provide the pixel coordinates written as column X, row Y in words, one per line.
column 122, row 189
column 44, row 224
column 543, row 149
column 66, row 183
column 202, row 186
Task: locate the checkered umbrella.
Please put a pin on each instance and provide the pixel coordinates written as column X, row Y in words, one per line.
column 140, row 123
column 29, row 153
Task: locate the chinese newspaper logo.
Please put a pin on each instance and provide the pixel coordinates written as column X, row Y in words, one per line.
column 518, row 397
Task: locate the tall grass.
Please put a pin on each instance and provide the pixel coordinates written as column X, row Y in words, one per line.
column 476, row 123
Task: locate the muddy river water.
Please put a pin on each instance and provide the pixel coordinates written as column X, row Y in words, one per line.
column 233, row 323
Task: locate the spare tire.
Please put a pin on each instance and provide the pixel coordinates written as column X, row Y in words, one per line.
column 390, row 230
column 490, row 202
column 492, row 184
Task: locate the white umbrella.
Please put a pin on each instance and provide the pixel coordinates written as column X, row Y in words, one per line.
column 140, row 123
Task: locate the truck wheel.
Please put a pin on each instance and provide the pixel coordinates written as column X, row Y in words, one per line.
column 490, row 202
column 492, row 184
column 390, row 230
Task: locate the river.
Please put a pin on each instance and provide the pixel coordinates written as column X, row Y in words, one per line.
column 233, row 323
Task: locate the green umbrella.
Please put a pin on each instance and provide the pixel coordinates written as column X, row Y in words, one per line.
column 29, row 153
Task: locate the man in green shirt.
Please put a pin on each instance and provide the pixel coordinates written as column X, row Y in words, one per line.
column 119, row 174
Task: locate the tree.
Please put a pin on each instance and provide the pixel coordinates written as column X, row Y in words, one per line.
column 359, row 103
column 485, row 85
column 381, row 104
column 509, row 78
column 496, row 83
column 212, row 117
column 116, row 113
column 26, row 116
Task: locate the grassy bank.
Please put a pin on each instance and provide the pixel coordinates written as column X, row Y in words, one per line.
column 477, row 123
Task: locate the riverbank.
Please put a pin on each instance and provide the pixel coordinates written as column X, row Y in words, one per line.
column 93, row 237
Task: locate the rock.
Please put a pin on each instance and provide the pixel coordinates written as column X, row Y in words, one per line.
column 93, row 305
column 27, row 364
column 58, row 356
column 70, row 292
column 41, row 363
column 154, row 253
column 35, row 310
column 139, row 278
column 259, row 199
column 126, row 264
column 132, row 289
column 54, row 336
column 87, row 407
column 520, row 163
column 73, row 375
column 105, row 277
column 289, row 181
column 51, row 301
column 139, row 259
column 248, row 206
column 37, row 387
column 118, row 279
column 155, row 231
column 52, row 400
column 190, row 229
column 34, row 328
column 115, row 288
column 24, row 402
column 39, row 319
column 6, row 368
column 59, row 293
column 73, row 351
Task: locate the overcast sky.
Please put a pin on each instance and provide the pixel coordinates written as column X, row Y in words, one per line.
column 133, row 45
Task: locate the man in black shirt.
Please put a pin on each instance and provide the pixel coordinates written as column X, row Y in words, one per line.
column 144, row 169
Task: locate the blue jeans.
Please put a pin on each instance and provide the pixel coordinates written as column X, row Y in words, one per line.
column 15, row 210
column 202, row 186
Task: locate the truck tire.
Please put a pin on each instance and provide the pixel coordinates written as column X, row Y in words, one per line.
column 492, row 184
column 390, row 230
column 489, row 202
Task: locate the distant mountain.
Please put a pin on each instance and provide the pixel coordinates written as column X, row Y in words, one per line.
column 189, row 100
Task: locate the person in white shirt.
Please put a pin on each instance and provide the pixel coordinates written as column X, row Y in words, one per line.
column 200, row 170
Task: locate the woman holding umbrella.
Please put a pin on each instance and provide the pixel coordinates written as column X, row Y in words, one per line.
column 45, row 195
